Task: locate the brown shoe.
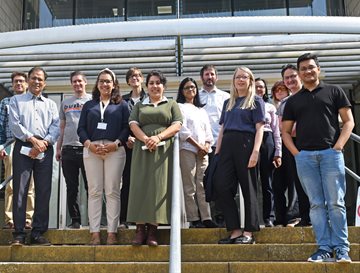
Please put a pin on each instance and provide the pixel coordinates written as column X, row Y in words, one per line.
column 140, row 236
column 111, row 239
column 8, row 225
column 151, row 238
column 95, row 239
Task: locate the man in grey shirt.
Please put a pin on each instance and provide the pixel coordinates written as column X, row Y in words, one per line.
column 69, row 149
column 34, row 121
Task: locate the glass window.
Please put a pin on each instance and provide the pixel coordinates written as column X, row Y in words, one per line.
column 260, row 8
column 316, row 8
column 197, row 8
column 94, row 11
column 151, row 9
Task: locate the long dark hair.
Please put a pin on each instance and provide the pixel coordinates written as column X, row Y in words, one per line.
column 115, row 97
column 266, row 95
column 180, row 95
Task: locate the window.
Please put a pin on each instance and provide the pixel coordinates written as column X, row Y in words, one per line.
column 199, row 8
column 151, row 9
column 260, row 8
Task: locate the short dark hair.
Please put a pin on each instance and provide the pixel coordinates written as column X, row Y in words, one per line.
column 77, row 73
column 286, row 67
column 38, row 68
column 180, row 95
column 18, row 73
column 207, row 67
column 307, row 56
column 131, row 72
column 156, row 73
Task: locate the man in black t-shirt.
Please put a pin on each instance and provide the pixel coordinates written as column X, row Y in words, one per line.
column 318, row 155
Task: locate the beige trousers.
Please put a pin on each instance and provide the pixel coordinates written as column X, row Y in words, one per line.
column 104, row 175
column 9, row 193
column 192, row 173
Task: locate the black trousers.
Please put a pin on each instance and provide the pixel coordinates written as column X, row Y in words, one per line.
column 266, row 167
column 124, row 195
column 236, row 148
column 72, row 162
column 23, row 168
column 284, row 179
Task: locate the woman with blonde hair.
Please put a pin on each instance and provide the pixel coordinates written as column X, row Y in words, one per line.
column 240, row 137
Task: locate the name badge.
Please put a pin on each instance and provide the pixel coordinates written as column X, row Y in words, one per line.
column 102, row 126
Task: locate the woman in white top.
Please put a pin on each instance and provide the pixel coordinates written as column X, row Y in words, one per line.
column 195, row 144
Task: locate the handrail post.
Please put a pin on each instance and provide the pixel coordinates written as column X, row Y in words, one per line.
column 175, row 231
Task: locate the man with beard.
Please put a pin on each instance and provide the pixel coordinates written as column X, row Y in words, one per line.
column 213, row 98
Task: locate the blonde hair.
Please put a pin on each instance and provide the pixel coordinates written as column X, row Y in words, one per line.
column 249, row 102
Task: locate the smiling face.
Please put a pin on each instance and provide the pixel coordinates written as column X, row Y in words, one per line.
column 260, row 88
column 36, row 82
column 189, row 91
column 136, row 79
column 309, row 72
column 19, row 84
column 292, row 80
column 209, row 78
column 242, row 82
column 78, row 84
column 155, row 88
column 105, row 85
column 281, row 92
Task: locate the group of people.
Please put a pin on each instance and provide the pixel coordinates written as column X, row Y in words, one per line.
column 123, row 146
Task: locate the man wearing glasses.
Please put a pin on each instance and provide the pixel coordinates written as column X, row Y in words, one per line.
column 318, row 154
column 34, row 121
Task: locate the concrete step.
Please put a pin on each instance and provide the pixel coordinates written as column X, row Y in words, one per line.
column 212, row 267
column 189, row 253
column 284, row 235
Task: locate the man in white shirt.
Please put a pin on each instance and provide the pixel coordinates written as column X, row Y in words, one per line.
column 213, row 98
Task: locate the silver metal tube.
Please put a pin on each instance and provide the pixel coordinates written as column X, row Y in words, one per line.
column 175, row 233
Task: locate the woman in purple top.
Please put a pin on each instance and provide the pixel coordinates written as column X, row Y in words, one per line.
column 240, row 137
column 270, row 153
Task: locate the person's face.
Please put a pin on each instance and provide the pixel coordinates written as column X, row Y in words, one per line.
column 260, row 88
column 189, row 91
column 155, row 88
column 135, row 80
column 281, row 92
column 78, row 84
column 309, row 72
column 242, row 81
column 105, row 84
column 36, row 82
column 292, row 80
column 209, row 78
column 19, row 84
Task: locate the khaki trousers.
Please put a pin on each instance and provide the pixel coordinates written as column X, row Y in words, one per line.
column 9, row 193
column 104, row 175
column 192, row 173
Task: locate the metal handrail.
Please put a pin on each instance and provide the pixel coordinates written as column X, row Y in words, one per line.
column 2, row 147
column 355, row 138
column 175, row 232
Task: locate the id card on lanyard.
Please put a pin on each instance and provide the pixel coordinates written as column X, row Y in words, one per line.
column 102, row 125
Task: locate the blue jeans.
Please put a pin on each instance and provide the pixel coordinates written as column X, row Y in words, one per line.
column 322, row 175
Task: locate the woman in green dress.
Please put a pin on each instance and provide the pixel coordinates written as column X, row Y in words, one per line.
column 154, row 122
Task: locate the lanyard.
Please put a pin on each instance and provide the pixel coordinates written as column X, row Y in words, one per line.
column 102, row 109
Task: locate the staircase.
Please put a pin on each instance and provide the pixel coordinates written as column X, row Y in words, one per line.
column 277, row 250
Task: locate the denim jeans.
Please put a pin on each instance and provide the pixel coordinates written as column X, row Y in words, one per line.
column 322, row 175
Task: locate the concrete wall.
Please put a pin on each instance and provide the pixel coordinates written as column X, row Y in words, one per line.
column 352, row 7
column 10, row 15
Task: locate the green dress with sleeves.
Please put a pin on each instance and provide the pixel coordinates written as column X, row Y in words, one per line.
column 151, row 172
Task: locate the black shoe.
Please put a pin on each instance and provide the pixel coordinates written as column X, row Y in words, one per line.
column 75, row 225
column 303, row 223
column 196, row 224
column 209, row 224
column 228, row 240
column 268, row 223
column 18, row 241
column 41, row 241
column 244, row 240
column 220, row 221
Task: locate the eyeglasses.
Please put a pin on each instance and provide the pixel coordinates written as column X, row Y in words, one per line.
column 242, row 77
column 310, row 67
column 19, row 81
column 136, row 76
column 105, row 81
column 280, row 90
column 260, row 86
column 291, row 77
column 191, row 87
